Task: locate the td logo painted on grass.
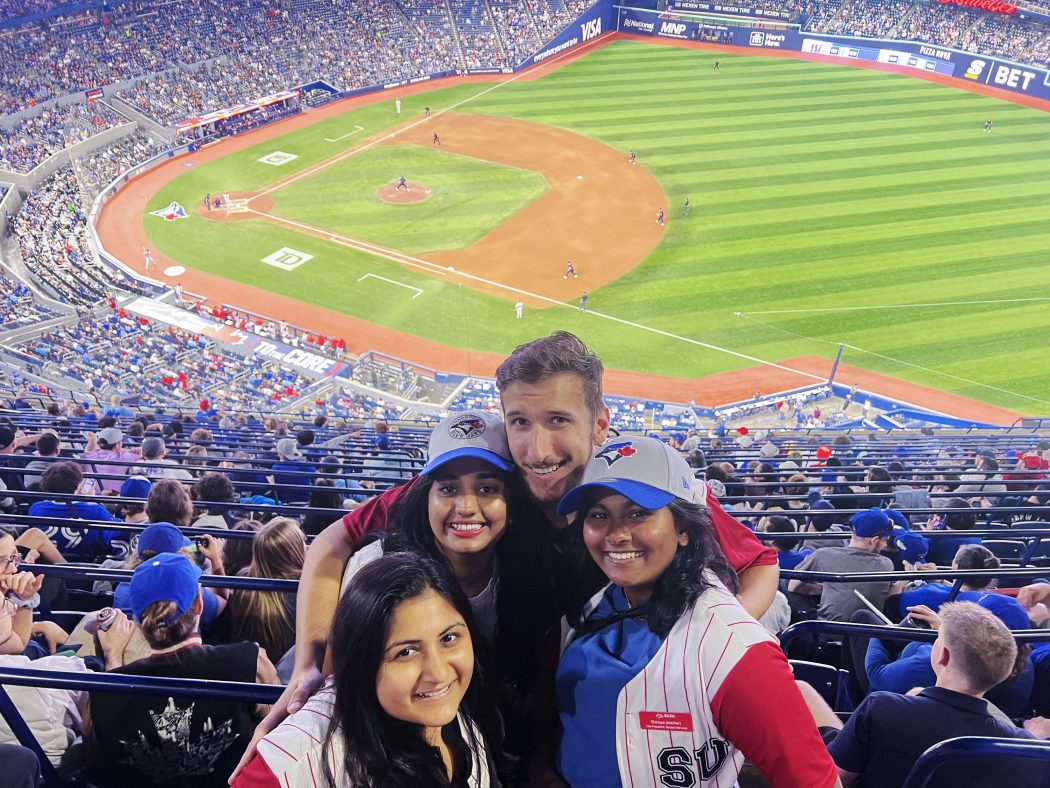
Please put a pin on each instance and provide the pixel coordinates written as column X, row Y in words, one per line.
column 287, row 259
column 277, row 158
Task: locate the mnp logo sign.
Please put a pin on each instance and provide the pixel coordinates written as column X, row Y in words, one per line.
column 673, row 29
column 589, row 30
column 277, row 158
column 287, row 259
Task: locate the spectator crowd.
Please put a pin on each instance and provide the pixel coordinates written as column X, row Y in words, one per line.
column 492, row 548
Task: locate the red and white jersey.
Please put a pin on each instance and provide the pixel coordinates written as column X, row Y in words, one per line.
column 719, row 689
column 293, row 753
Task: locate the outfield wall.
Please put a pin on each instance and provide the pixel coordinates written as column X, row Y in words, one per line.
column 966, row 67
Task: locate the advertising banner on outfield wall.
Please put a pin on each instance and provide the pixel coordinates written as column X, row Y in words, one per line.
column 244, row 342
column 598, row 19
column 723, row 8
column 964, row 66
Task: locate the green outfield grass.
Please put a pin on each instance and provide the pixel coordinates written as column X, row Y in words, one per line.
column 830, row 205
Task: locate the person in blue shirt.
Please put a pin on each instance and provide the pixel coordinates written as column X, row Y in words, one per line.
column 290, row 469
column 912, row 667
column 943, row 550
column 788, row 554
column 67, row 478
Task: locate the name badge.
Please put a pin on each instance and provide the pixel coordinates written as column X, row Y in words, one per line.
column 678, row 722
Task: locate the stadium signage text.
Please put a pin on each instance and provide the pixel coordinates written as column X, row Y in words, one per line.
column 297, row 358
column 759, row 38
column 673, row 29
column 985, row 5
column 638, row 24
column 1010, row 77
column 591, row 29
column 734, row 10
column 943, row 54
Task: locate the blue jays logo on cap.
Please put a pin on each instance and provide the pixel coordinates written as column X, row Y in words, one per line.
column 616, row 451
column 466, row 427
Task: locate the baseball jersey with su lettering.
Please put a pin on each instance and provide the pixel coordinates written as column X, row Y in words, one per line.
column 685, row 710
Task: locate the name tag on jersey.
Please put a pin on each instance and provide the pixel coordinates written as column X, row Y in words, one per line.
column 678, row 722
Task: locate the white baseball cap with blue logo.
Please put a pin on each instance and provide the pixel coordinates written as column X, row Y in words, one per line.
column 469, row 433
column 645, row 470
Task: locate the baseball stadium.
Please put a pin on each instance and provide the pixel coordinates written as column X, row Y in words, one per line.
column 739, row 306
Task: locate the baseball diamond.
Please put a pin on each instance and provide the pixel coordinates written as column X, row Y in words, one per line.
column 796, row 207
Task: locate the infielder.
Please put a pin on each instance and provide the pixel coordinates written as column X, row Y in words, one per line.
column 660, row 217
column 633, row 158
column 570, row 270
column 665, row 678
column 147, row 255
column 437, row 139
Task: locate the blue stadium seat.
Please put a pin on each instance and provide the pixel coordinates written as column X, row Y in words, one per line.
column 1019, row 763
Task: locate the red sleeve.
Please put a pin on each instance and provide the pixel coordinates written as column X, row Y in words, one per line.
column 741, row 546
column 256, row 774
column 373, row 514
column 760, row 710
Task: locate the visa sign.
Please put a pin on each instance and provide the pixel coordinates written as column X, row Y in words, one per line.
column 589, row 30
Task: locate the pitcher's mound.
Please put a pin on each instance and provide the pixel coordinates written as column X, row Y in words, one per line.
column 416, row 192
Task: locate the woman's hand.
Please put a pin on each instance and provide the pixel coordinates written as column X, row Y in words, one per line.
column 23, row 585
column 305, row 682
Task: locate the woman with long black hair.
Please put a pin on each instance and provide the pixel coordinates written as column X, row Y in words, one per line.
column 406, row 705
column 667, row 679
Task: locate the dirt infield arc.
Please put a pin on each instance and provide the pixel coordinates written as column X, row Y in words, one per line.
column 123, row 234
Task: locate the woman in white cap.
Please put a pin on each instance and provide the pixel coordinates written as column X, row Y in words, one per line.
column 666, row 679
column 469, row 511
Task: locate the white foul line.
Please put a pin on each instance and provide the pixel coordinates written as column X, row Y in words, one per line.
column 419, row 290
column 434, row 268
column 365, row 146
column 894, row 306
column 348, row 134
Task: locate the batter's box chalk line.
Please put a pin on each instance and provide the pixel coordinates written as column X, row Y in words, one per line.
column 237, row 206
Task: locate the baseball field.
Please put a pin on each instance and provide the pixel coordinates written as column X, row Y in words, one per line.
column 827, row 205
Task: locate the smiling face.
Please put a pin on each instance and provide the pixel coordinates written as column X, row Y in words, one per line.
column 633, row 546
column 427, row 663
column 467, row 506
column 552, row 433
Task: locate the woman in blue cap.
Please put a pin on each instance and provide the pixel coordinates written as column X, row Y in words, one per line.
column 666, row 679
column 175, row 741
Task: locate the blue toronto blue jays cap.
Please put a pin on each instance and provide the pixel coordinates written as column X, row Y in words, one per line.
column 897, row 518
column 162, row 538
column 168, row 577
column 471, row 433
column 646, row 470
column 871, row 522
column 910, row 545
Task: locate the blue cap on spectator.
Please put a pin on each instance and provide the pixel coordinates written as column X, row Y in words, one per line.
column 470, row 433
column 1007, row 609
column 162, row 538
column 912, row 547
column 822, row 521
column 678, row 436
column 168, row 577
column 897, row 518
column 136, row 487
column 871, row 522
